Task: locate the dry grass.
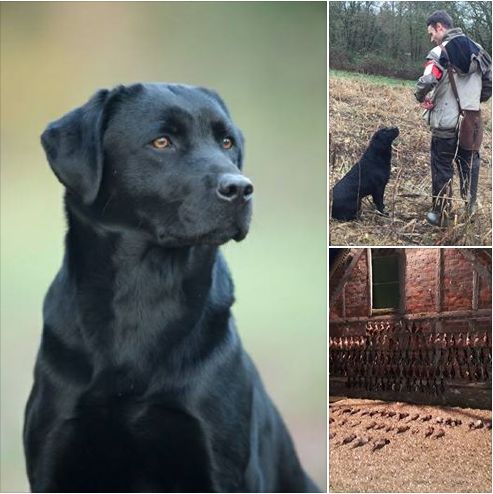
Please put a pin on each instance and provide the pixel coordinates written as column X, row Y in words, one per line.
column 356, row 110
column 460, row 461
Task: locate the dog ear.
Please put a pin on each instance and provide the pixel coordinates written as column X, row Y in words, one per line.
column 73, row 146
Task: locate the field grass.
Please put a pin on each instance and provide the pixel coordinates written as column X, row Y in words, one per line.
column 373, row 79
column 358, row 105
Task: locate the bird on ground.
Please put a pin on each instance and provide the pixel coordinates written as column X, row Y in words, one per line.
column 380, row 444
column 476, row 424
column 429, row 431
column 440, row 433
column 403, row 428
column 348, row 439
column 361, row 441
column 402, row 415
column 426, row 418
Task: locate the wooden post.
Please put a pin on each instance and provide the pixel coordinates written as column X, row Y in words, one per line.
column 370, row 281
column 344, row 301
column 402, row 280
column 482, row 271
column 475, row 289
column 345, row 277
column 438, row 288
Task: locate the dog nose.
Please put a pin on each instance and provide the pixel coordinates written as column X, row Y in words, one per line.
column 233, row 188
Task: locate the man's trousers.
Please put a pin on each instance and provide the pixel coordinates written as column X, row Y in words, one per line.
column 443, row 155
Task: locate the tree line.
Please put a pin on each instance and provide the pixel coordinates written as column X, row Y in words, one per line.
column 390, row 38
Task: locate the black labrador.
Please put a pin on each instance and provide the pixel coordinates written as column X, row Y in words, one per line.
column 141, row 382
column 369, row 176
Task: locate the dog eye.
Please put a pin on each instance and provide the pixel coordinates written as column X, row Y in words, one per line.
column 227, row 143
column 161, row 143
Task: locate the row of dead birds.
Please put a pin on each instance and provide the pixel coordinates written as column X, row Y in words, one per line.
column 422, row 379
column 430, row 432
column 388, row 383
column 408, row 373
column 357, row 441
column 412, row 341
column 404, row 363
column 361, row 441
column 407, row 417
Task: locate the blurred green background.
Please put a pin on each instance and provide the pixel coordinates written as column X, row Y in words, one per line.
column 268, row 62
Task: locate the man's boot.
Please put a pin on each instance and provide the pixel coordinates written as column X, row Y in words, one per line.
column 439, row 215
column 437, row 219
column 471, row 208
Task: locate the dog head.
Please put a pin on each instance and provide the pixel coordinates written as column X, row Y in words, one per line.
column 161, row 159
column 383, row 138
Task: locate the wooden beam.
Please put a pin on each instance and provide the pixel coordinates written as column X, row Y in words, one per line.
column 344, row 301
column 369, row 267
column 475, row 290
column 439, row 281
column 345, row 277
column 341, row 258
column 402, row 279
column 439, row 288
column 480, row 313
column 482, row 271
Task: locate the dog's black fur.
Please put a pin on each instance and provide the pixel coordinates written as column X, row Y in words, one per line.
column 141, row 382
column 368, row 176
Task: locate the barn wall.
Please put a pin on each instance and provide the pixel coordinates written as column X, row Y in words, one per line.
column 420, row 280
column 433, row 349
column 484, row 294
column 421, row 293
column 356, row 290
column 457, row 281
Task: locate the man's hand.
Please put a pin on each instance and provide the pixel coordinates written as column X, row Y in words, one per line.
column 427, row 104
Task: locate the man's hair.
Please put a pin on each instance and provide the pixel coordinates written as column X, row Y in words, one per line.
column 442, row 17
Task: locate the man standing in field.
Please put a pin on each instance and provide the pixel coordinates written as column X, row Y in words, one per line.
column 460, row 62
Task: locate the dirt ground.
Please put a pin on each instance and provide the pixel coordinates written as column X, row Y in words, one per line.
column 356, row 110
column 433, row 453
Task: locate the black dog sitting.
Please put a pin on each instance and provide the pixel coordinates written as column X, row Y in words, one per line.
column 367, row 177
column 141, row 382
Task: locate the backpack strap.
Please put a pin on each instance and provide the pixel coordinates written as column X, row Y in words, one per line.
column 450, row 72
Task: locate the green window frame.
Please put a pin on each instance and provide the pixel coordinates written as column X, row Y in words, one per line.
column 385, row 280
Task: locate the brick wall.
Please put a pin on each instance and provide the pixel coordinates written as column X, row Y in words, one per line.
column 420, row 289
column 457, row 281
column 356, row 290
column 484, row 294
column 420, row 280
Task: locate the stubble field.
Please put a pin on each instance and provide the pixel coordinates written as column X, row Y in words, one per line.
column 380, row 446
column 358, row 106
